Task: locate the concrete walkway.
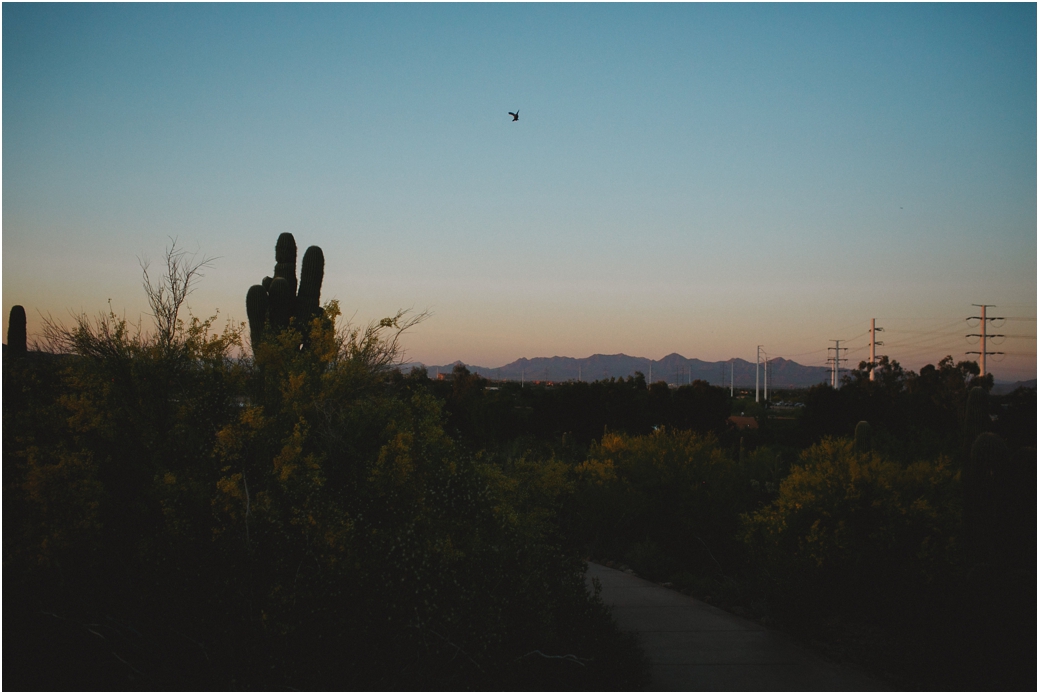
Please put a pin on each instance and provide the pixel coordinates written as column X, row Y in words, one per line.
column 693, row 646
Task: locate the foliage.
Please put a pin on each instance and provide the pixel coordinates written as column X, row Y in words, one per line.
column 485, row 416
column 298, row 520
column 675, row 491
column 856, row 531
column 913, row 415
column 177, row 517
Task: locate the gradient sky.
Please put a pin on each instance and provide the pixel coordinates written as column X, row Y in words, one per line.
column 698, row 179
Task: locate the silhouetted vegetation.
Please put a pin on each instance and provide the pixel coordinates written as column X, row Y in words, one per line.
column 176, row 517
column 16, row 338
column 891, row 521
column 483, row 415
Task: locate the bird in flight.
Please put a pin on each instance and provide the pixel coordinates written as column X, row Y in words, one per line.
column 515, row 116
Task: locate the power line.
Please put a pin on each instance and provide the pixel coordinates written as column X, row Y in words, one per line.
column 984, row 328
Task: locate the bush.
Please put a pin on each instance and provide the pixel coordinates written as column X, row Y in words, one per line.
column 671, row 500
column 855, row 531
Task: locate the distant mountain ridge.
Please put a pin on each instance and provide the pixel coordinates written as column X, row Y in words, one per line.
column 673, row 369
column 1004, row 387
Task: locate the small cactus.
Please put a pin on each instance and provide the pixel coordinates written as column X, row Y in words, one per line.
column 863, row 437
column 16, row 337
column 274, row 304
column 986, row 490
column 989, row 457
column 976, row 417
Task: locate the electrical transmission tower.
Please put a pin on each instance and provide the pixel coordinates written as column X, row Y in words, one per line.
column 766, row 378
column 836, row 359
column 757, row 376
column 984, row 333
column 873, row 329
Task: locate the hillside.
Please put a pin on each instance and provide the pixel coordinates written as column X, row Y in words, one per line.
column 674, row 368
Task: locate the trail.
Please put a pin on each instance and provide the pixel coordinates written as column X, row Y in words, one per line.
column 693, row 646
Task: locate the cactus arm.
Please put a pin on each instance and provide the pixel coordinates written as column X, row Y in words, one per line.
column 312, row 273
column 285, row 260
column 285, row 249
column 256, row 305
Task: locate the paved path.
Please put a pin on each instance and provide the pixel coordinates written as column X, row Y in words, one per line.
column 693, row 646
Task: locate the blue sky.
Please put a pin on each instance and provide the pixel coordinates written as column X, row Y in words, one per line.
column 691, row 178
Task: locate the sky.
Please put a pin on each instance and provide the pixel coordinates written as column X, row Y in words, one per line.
column 699, row 179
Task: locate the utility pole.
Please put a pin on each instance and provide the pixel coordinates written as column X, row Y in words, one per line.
column 873, row 347
column 766, row 378
column 984, row 330
column 732, row 372
column 757, row 376
column 650, row 370
column 836, row 361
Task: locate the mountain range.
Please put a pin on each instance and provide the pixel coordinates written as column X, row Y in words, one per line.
column 674, row 369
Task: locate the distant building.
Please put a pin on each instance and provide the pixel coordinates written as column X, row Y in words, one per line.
column 743, row 422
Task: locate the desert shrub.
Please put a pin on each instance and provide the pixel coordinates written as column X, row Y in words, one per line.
column 855, row 531
column 670, row 499
column 186, row 519
column 379, row 554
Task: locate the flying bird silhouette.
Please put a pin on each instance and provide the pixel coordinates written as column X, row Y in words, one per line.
column 515, row 116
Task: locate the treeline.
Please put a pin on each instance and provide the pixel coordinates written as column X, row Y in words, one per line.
column 920, row 413
column 485, row 414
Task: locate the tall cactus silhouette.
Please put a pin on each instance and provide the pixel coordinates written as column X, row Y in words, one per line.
column 863, row 437
column 308, row 298
column 16, row 337
column 274, row 304
column 986, row 491
column 976, row 419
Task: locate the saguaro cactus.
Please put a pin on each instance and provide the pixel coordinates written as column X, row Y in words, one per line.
column 16, row 338
column 274, row 304
column 987, row 490
column 863, row 437
column 976, row 419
